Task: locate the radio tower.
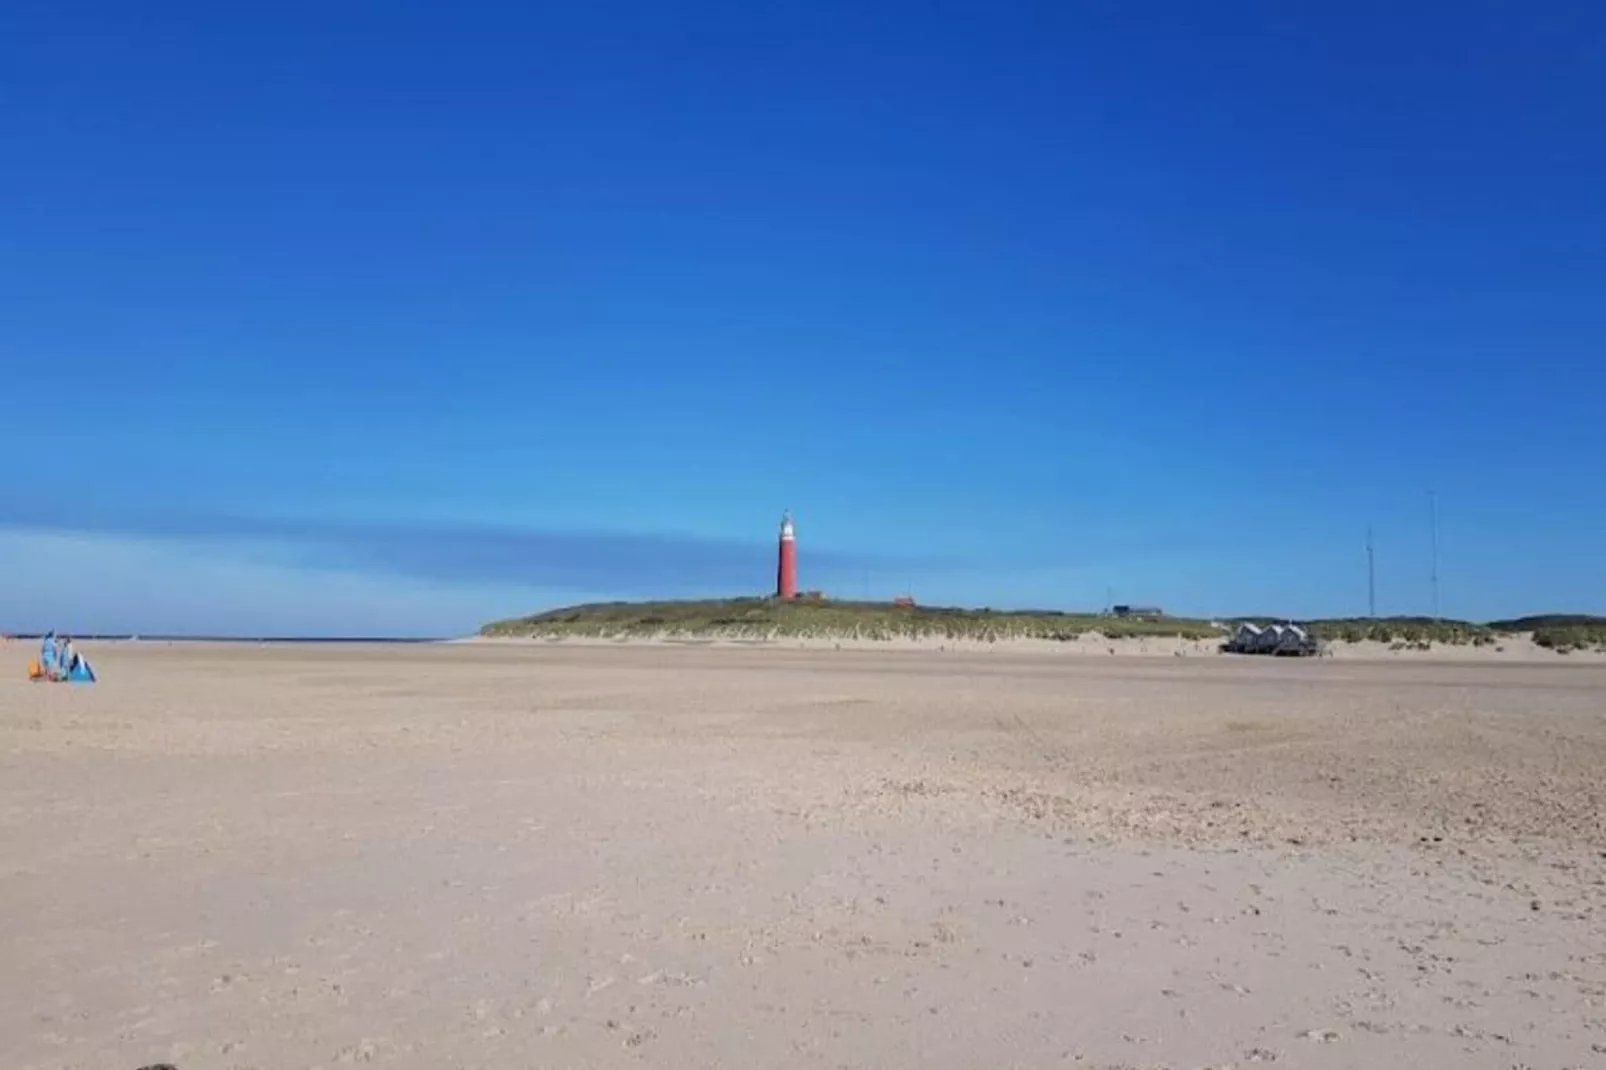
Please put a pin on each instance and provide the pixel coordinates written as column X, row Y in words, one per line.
column 1371, row 577
column 1433, row 534
column 786, row 566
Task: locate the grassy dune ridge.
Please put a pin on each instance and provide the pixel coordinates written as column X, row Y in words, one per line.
column 1556, row 632
column 766, row 617
column 761, row 618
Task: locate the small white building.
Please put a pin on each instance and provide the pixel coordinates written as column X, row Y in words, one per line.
column 1276, row 639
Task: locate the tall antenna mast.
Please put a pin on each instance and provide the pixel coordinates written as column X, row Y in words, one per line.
column 1371, row 576
column 1433, row 532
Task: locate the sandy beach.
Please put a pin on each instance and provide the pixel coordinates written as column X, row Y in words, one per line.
column 566, row 855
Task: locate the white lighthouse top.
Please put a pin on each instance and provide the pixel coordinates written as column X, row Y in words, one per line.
column 786, row 525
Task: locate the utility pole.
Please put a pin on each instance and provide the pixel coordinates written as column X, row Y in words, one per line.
column 1371, row 576
column 1433, row 533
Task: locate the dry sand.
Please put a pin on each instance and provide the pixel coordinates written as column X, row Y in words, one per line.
column 551, row 856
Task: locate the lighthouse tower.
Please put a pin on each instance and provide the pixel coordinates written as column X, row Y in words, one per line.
column 786, row 568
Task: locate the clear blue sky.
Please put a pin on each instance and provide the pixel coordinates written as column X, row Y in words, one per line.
column 395, row 316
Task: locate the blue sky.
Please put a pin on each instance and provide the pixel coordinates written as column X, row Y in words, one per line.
column 393, row 317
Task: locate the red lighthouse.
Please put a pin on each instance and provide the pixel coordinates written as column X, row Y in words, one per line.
column 786, row 568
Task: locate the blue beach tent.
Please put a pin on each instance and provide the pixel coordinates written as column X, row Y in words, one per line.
column 80, row 672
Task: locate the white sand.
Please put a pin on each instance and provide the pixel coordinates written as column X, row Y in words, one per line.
column 559, row 855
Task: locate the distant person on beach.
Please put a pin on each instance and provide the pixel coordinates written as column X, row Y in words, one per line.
column 66, row 656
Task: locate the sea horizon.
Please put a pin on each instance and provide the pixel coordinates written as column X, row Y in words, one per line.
column 141, row 637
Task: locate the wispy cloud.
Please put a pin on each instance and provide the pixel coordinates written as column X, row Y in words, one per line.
column 644, row 563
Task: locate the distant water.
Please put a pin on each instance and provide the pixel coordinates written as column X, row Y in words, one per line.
column 143, row 638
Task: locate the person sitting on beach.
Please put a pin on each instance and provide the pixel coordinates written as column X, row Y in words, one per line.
column 66, row 657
